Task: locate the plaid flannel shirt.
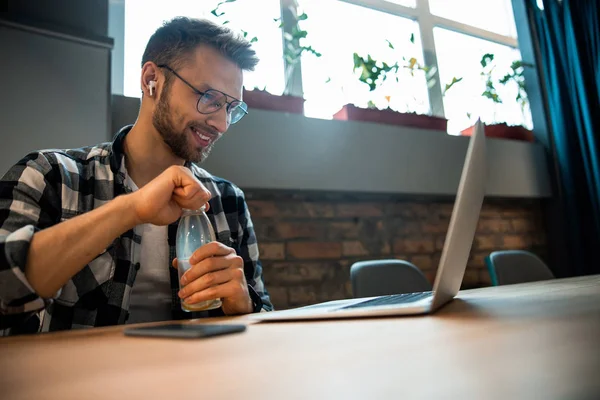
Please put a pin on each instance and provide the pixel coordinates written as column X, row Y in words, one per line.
column 51, row 186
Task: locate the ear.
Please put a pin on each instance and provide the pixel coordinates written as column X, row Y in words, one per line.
column 150, row 73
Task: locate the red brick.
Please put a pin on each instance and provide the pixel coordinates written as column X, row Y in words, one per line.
column 493, row 226
column 262, row 209
column 477, row 260
column 297, row 209
column 271, row 251
column 423, row 262
column 412, row 246
column 490, row 212
column 516, row 242
column 320, row 210
column 302, row 295
column 385, row 248
column 484, row 277
column 353, row 248
column 435, row 226
column 444, row 210
column 342, row 230
column 279, row 297
column 314, row 250
column 486, row 242
column 409, row 210
column 402, row 227
column 361, row 210
column 522, row 225
column 439, row 242
column 430, row 275
column 471, row 278
column 515, row 213
column 300, row 230
column 292, row 273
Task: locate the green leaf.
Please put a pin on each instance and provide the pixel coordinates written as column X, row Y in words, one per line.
column 302, row 17
column 452, row 83
column 486, row 59
column 412, row 38
column 328, row 79
column 390, row 45
column 516, row 64
column 505, row 79
column 254, row 40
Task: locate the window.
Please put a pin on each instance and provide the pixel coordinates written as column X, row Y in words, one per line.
column 143, row 17
column 329, row 82
column 492, row 15
column 459, row 56
column 449, row 36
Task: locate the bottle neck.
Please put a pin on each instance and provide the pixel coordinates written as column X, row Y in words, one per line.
column 187, row 212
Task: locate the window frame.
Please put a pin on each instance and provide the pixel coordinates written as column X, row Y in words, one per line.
column 421, row 14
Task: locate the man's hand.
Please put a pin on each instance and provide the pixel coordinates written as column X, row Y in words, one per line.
column 216, row 272
column 160, row 201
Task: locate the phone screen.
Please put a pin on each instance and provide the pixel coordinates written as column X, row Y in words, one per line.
column 184, row 330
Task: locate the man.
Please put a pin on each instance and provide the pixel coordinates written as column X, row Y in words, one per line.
column 87, row 235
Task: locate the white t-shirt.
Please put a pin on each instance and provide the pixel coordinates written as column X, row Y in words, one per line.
column 151, row 293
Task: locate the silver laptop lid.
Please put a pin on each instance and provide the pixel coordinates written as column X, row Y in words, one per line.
column 463, row 222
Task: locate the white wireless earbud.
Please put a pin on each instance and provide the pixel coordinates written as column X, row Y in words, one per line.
column 151, row 86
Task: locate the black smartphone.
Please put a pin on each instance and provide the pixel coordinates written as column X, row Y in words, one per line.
column 184, row 330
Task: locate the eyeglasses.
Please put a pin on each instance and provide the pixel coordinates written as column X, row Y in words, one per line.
column 213, row 100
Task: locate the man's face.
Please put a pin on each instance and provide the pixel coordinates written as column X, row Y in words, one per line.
column 190, row 134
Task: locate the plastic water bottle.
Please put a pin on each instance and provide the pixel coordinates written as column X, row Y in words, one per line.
column 194, row 231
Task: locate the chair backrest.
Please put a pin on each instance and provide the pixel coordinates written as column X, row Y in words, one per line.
column 383, row 277
column 516, row 266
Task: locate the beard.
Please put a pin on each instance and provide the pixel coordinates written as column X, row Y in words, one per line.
column 178, row 141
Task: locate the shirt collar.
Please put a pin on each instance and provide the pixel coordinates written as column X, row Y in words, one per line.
column 117, row 155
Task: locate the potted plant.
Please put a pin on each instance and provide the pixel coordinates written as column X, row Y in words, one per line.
column 374, row 74
column 293, row 50
column 502, row 129
column 260, row 98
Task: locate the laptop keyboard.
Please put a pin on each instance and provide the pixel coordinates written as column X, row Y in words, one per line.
column 390, row 300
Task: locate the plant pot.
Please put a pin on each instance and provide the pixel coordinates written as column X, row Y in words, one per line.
column 503, row 131
column 350, row 112
column 264, row 100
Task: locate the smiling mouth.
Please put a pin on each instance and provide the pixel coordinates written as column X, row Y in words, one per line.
column 204, row 137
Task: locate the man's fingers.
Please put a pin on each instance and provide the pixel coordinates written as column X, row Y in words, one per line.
column 211, row 249
column 209, row 265
column 221, row 291
column 207, row 280
column 188, row 190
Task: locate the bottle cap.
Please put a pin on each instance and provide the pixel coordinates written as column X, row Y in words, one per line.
column 189, row 211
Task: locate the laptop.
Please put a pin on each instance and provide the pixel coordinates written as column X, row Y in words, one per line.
column 451, row 269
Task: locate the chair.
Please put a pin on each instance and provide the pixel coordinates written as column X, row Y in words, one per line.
column 516, row 266
column 383, row 277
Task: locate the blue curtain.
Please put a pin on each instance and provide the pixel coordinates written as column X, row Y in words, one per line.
column 567, row 33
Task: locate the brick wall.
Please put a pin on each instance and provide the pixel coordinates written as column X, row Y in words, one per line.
column 309, row 241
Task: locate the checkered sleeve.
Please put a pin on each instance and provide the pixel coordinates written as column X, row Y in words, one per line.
column 249, row 253
column 27, row 203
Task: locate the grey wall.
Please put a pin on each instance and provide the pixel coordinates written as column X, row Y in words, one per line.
column 55, row 93
column 271, row 150
column 55, row 76
column 82, row 17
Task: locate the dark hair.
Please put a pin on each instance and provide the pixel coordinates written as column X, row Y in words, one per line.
column 176, row 39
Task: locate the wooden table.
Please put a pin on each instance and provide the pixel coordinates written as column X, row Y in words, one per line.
column 529, row 341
